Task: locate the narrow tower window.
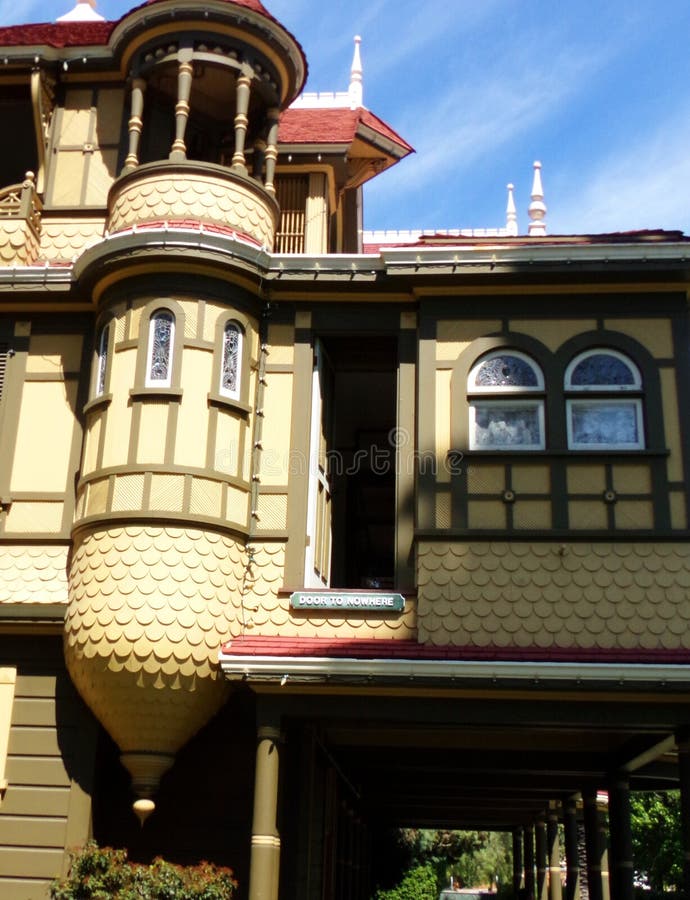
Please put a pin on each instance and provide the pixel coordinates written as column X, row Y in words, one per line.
column 160, row 350
column 102, row 361
column 231, row 361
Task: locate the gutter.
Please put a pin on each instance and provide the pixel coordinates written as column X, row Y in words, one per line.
column 329, row 669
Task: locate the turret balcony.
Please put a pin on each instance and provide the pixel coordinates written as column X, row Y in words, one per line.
column 202, row 192
column 20, row 223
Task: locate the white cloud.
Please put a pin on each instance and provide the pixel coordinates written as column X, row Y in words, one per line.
column 642, row 184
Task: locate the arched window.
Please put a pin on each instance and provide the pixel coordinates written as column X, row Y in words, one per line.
column 101, row 361
column 231, row 361
column 159, row 357
column 505, row 414
column 610, row 415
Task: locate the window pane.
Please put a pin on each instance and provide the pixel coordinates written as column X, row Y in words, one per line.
column 229, row 379
column 506, row 370
column 605, row 424
column 161, row 337
column 102, row 360
column 498, row 426
column 603, row 370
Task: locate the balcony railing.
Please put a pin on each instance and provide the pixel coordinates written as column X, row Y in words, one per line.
column 20, row 222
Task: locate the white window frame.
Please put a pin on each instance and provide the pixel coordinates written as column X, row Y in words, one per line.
column 609, row 395
column 509, row 397
column 634, row 402
column 160, row 382
column 512, row 405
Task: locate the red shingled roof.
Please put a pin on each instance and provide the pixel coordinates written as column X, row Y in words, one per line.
column 80, row 34
column 56, row 34
column 386, row 648
column 332, row 126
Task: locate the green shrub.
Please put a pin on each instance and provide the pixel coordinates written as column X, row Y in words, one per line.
column 420, row 883
column 97, row 873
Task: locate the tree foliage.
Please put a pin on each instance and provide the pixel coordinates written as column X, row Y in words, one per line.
column 105, row 874
column 419, row 883
column 657, row 849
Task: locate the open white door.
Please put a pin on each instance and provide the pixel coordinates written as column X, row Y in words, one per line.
column 317, row 564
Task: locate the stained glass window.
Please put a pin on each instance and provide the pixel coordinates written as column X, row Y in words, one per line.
column 160, row 351
column 231, row 361
column 498, row 423
column 102, row 362
column 502, row 370
column 602, row 370
column 498, row 426
column 606, row 423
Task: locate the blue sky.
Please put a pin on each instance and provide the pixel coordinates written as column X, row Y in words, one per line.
column 595, row 89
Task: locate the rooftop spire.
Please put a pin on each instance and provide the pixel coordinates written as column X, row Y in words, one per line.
column 84, row 11
column 356, row 90
column 511, row 214
column 537, row 208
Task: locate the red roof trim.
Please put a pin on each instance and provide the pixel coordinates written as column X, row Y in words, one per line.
column 388, row 649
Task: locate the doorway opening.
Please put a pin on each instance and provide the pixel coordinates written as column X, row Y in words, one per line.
column 358, row 425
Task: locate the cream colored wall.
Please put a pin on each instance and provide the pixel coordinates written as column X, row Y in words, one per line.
column 185, row 453
column 86, row 146
column 47, row 429
column 275, row 438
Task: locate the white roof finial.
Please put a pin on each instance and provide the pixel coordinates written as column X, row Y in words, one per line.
column 511, row 214
column 356, row 92
column 84, row 11
column 537, row 208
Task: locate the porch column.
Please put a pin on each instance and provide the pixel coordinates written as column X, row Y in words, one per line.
column 185, row 72
column 265, row 854
column 135, row 124
column 594, row 844
column 572, row 884
column 241, row 121
column 271, row 153
column 528, row 834
column 555, row 891
column 621, row 839
column 542, row 892
column 683, row 744
column 517, row 859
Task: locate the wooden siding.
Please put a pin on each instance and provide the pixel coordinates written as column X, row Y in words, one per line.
column 46, row 807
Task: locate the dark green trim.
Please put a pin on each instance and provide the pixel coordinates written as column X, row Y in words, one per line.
column 167, row 518
column 244, row 409
column 162, row 469
column 46, row 612
column 681, row 349
column 103, row 521
column 405, row 567
column 148, row 393
column 10, row 407
column 426, row 423
column 98, row 404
